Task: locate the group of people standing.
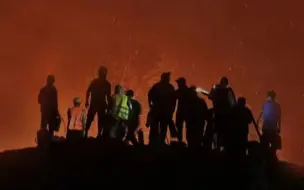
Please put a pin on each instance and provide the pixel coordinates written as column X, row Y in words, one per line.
column 118, row 114
column 120, row 111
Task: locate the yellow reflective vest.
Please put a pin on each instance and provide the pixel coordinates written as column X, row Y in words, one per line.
column 121, row 108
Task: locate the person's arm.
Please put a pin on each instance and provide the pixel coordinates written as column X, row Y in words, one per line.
column 40, row 97
column 69, row 118
column 211, row 94
column 84, row 117
column 88, row 93
column 174, row 99
column 113, row 107
column 129, row 104
column 256, row 126
column 260, row 116
column 56, row 103
column 232, row 98
column 108, row 96
column 203, row 108
column 139, row 108
column 279, row 118
column 150, row 95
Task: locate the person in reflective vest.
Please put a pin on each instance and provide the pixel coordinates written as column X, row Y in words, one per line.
column 120, row 112
column 76, row 120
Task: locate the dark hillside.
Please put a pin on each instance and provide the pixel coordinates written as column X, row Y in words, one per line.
column 111, row 165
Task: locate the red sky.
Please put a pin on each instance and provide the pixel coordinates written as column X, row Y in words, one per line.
column 258, row 44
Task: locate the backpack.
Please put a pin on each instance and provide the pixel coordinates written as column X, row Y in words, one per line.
column 224, row 97
column 43, row 138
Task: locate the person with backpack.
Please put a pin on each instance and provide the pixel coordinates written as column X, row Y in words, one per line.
column 134, row 117
column 223, row 99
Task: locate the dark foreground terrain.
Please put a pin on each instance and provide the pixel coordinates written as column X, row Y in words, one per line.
column 111, row 165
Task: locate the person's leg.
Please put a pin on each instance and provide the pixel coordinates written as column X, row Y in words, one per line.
column 243, row 147
column 208, row 136
column 101, row 122
column 172, row 129
column 190, row 135
column 274, row 146
column 52, row 125
column 218, row 131
column 154, row 130
column 43, row 122
column 164, row 123
column 122, row 129
column 179, row 121
column 201, row 129
column 132, row 126
column 90, row 118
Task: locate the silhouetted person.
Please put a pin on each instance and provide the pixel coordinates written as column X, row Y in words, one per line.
column 271, row 128
column 182, row 94
column 223, row 99
column 134, row 117
column 77, row 117
column 48, row 100
column 100, row 92
column 121, row 107
column 238, row 133
column 140, row 134
column 197, row 114
column 162, row 101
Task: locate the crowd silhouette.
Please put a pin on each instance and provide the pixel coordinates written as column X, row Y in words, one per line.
column 224, row 127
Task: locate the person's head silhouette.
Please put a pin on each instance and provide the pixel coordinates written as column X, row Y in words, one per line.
column 50, row 81
column 102, row 72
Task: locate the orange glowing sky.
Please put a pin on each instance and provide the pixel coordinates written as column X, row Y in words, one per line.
column 258, row 44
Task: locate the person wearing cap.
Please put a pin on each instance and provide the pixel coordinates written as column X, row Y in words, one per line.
column 271, row 127
column 182, row 95
column 48, row 100
column 76, row 120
